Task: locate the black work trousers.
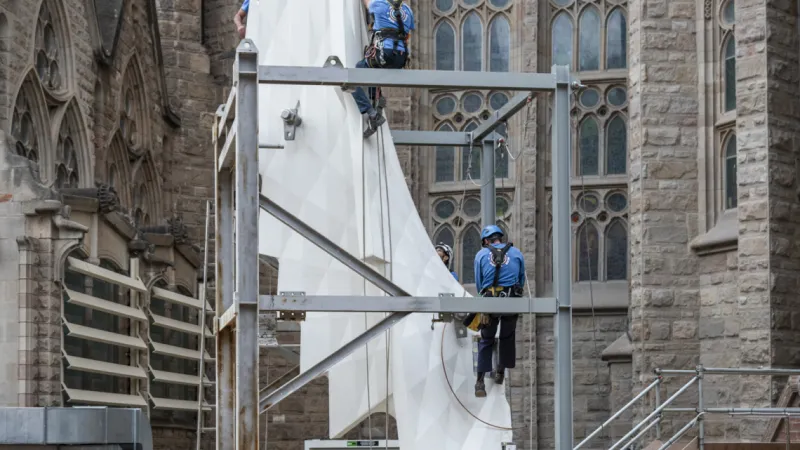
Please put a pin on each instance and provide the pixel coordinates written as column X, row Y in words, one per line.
column 507, row 345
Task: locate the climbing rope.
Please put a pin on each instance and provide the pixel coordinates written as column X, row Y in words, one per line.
column 385, row 189
column 363, row 258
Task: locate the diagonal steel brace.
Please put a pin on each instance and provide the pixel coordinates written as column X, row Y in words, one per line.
column 268, row 401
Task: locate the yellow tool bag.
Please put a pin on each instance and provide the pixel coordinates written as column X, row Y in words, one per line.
column 473, row 321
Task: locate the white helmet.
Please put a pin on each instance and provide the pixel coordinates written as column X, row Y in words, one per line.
column 447, row 251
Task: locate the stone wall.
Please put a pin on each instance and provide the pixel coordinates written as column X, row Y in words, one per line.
column 783, row 75
column 718, row 332
column 591, row 384
column 663, row 184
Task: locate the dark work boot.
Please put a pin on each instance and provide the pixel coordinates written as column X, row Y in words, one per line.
column 480, row 389
column 499, row 375
column 381, row 104
column 374, row 121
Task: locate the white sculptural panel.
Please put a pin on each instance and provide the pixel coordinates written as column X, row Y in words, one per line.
column 344, row 187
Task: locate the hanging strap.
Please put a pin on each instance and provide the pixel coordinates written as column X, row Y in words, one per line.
column 498, row 257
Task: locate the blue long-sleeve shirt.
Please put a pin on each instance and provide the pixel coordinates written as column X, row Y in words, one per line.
column 384, row 19
column 454, row 274
column 512, row 271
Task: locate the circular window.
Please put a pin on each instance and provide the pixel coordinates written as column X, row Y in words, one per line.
column 499, row 3
column 445, row 105
column 562, row 2
column 617, row 96
column 498, row 100
column 444, row 5
column 588, row 203
column 472, row 207
column 445, row 209
column 472, row 102
column 501, row 207
column 617, row 202
column 590, row 98
column 471, row 2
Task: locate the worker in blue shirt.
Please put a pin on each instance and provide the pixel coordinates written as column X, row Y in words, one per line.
column 241, row 18
column 392, row 22
column 446, row 253
column 499, row 272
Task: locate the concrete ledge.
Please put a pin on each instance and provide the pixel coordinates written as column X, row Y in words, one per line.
column 68, row 426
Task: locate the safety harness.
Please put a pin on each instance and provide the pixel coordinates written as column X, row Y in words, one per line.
column 374, row 53
column 497, row 257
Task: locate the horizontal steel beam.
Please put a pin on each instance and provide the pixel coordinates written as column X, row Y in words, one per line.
column 432, row 79
column 729, row 371
column 745, row 411
column 432, row 138
column 514, row 105
column 441, row 304
column 226, row 319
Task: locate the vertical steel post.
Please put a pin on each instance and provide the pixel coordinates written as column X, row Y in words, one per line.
column 202, row 366
column 658, row 403
column 701, row 431
column 788, row 420
column 488, row 194
column 246, row 223
column 223, row 270
column 561, row 150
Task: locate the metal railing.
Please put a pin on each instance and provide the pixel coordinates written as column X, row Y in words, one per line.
column 654, row 418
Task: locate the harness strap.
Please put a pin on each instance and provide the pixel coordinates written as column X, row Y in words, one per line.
column 498, row 257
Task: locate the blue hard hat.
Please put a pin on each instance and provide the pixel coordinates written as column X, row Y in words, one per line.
column 490, row 230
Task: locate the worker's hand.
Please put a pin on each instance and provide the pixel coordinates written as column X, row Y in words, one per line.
column 485, row 319
column 241, row 29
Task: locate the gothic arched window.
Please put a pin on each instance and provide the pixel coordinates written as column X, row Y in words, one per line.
column 729, row 177
column 588, row 252
column 470, row 246
column 499, row 44
column 68, row 146
column 616, row 38
column 50, row 54
column 472, row 43
column 445, row 159
column 601, row 235
column 469, row 35
column 24, row 128
column 729, row 70
column 616, row 251
column 589, row 137
column 599, row 47
column 589, row 44
column 445, row 38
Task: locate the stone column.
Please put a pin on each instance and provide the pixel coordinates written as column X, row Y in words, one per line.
column 767, row 131
column 663, row 110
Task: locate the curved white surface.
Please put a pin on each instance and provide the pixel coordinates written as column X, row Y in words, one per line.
column 327, row 177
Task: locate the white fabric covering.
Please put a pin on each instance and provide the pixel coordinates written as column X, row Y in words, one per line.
column 318, row 177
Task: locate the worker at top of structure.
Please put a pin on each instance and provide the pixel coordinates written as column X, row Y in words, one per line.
column 499, row 272
column 392, row 23
column 240, row 19
column 445, row 252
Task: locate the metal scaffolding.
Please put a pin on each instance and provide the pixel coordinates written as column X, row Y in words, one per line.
column 654, row 419
column 235, row 137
